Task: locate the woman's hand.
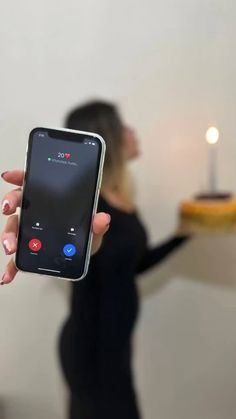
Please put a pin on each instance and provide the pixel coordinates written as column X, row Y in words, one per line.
column 12, row 201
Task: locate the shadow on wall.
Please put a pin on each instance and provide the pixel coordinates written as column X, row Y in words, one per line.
column 205, row 259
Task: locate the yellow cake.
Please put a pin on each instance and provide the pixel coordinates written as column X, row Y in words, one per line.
column 205, row 215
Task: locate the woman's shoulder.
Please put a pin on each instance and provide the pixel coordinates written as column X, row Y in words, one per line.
column 104, row 205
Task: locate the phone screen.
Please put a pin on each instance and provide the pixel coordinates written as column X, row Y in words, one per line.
column 61, row 183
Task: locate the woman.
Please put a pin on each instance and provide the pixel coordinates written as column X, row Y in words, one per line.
column 95, row 342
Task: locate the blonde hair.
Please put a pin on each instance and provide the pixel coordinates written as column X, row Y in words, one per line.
column 104, row 119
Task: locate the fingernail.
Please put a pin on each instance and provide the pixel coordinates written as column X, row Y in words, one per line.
column 108, row 219
column 5, row 279
column 5, row 206
column 3, row 174
column 2, row 280
column 6, row 247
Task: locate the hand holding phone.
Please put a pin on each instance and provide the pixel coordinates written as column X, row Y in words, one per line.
column 68, row 250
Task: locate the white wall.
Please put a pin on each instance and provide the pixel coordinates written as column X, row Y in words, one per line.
column 171, row 66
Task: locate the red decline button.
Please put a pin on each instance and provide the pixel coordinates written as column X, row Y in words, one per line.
column 35, row 245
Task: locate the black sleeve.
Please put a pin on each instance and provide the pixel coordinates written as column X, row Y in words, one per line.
column 156, row 254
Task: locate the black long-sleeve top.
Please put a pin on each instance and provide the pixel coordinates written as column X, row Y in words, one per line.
column 107, row 297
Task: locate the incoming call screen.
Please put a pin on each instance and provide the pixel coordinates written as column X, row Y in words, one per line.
column 60, row 185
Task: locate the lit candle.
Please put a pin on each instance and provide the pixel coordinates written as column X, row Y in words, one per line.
column 212, row 137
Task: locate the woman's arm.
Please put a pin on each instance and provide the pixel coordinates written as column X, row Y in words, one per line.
column 157, row 254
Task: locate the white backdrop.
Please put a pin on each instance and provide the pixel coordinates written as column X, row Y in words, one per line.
column 171, row 67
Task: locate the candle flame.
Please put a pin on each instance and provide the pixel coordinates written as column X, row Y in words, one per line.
column 212, row 135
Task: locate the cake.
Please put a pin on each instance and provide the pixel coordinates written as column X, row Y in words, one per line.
column 208, row 213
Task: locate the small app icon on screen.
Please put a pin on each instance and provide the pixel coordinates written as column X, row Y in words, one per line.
column 69, row 250
column 35, row 245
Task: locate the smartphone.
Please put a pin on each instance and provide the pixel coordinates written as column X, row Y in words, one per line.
column 63, row 174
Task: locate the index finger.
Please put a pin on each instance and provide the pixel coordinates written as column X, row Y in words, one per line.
column 14, row 176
